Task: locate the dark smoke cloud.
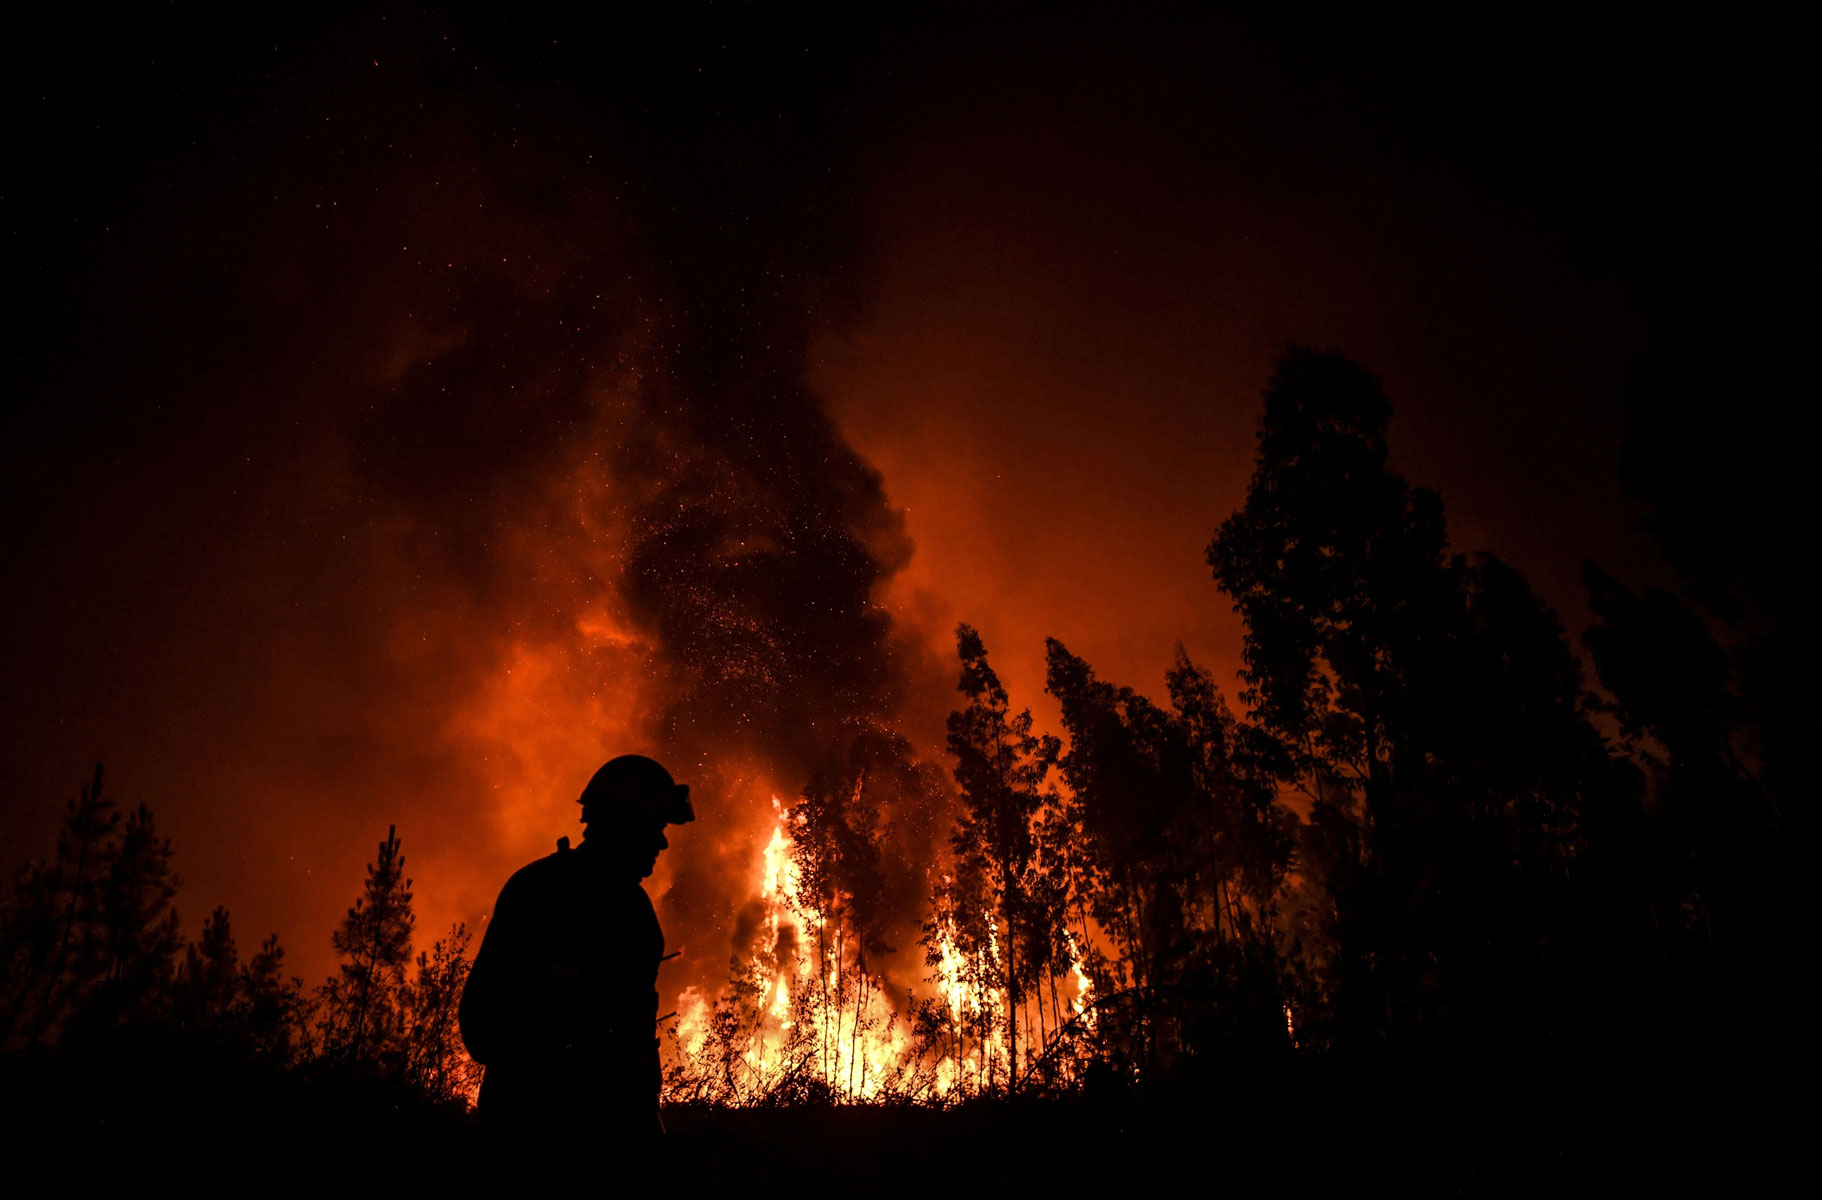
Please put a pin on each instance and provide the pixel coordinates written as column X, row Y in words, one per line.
column 433, row 449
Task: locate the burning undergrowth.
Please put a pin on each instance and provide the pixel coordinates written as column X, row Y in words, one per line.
column 808, row 1016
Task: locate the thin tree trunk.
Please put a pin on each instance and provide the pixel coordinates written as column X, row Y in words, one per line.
column 834, row 1065
column 1215, row 893
column 1012, row 983
column 1025, row 1011
column 1043, row 1036
column 860, row 993
column 822, row 982
column 1134, row 936
column 959, row 1045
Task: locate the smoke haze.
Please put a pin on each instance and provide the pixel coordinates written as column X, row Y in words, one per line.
column 416, row 413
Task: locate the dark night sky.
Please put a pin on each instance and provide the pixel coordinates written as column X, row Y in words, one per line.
column 351, row 359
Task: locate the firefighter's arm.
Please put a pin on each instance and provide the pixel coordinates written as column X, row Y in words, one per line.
column 496, row 1005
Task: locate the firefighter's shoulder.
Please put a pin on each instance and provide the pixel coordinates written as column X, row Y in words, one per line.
column 541, row 875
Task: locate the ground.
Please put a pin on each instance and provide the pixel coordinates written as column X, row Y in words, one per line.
column 222, row 1128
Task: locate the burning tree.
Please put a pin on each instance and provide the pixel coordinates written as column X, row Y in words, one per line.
column 803, row 1015
column 1399, row 835
column 834, row 830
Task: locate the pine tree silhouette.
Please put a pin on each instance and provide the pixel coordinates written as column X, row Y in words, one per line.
column 363, row 1015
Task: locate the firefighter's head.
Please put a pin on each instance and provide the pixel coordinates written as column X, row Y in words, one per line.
column 627, row 805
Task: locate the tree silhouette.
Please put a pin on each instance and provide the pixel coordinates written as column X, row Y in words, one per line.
column 272, row 1008
column 1235, row 844
column 209, row 982
column 1126, row 789
column 435, row 1061
column 91, row 935
column 363, row 1013
column 138, row 926
column 91, row 943
column 1000, row 765
column 1248, row 834
column 53, row 950
column 1428, row 710
column 1421, row 833
column 1181, row 850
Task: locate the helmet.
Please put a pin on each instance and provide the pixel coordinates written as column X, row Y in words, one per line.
column 634, row 786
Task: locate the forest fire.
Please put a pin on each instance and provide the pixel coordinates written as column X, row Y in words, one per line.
column 419, row 407
column 806, row 1004
column 802, row 1013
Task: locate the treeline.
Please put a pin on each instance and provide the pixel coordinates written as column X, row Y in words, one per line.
column 95, row 967
column 1421, row 833
column 1424, row 834
column 1425, row 831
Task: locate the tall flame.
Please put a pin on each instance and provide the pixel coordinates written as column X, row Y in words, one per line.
column 802, row 1014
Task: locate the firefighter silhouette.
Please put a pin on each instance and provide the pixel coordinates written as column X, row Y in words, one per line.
column 561, row 1004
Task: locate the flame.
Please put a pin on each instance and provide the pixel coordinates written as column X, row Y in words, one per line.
column 802, row 1013
column 1081, row 1004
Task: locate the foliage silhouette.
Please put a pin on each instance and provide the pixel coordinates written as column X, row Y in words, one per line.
column 1430, row 714
column 363, row 1011
column 1000, row 765
column 1418, row 841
